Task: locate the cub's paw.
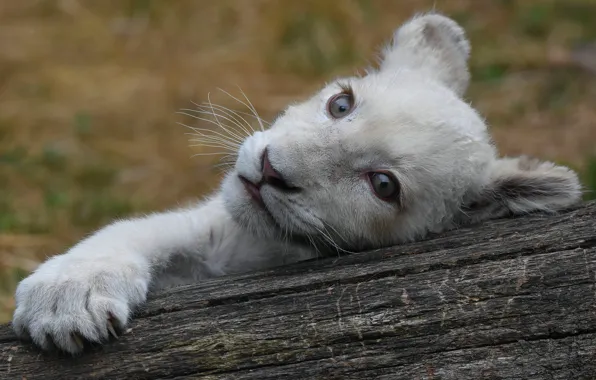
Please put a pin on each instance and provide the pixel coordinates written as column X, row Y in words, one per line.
column 69, row 300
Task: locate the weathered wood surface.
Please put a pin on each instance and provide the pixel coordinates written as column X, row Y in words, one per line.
column 510, row 299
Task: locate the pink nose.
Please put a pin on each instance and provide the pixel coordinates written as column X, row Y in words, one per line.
column 272, row 176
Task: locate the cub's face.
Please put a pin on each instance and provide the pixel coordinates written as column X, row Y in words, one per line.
column 375, row 160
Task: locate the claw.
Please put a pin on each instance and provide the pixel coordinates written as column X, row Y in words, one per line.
column 111, row 329
column 78, row 341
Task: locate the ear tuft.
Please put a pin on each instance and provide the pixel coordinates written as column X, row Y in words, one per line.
column 434, row 44
column 524, row 185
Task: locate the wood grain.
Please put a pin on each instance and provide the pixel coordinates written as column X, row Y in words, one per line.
column 508, row 299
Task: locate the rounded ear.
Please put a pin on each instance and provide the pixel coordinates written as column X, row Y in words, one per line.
column 524, row 185
column 434, row 44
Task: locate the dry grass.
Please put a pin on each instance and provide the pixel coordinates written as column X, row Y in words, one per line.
column 89, row 91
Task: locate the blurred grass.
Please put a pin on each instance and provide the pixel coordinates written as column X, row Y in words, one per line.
column 89, row 91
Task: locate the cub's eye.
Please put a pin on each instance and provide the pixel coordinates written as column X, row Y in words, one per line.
column 340, row 105
column 384, row 185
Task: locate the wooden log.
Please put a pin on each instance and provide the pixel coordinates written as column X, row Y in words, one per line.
column 508, row 299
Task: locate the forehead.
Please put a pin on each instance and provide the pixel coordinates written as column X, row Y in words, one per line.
column 407, row 102
column 403, row 112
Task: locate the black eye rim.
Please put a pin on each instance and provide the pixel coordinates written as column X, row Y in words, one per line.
column 393, row 198
column 334, row 98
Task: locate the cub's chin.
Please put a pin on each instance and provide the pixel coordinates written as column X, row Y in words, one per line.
column 255, row 216
column 250, row 214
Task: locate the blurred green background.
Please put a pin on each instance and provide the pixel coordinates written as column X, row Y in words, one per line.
column 89, row 92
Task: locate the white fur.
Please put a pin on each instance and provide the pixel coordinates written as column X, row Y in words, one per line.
column 408, row 119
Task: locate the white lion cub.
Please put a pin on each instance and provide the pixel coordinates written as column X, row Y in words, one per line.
column 366, row 162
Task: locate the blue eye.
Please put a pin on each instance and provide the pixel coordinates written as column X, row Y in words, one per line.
column 384, row 185
column 340, row 105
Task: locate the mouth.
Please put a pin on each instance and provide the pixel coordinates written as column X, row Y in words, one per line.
column 254, row 192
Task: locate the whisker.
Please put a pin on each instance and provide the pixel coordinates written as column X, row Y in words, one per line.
column 246, row 114
column 213, row 139
column 314, row 245
column 212, row 146
column 329, row 239
column 208, row 133
column 227, row 115
column 215, row 115
column 252, row 108
column 210, row 110
column 223, row 164
column 231, row 156
column 208, row 154
column 336, row 231
column 200, row 131
column 258, row 118
column 236, row 115
column 212, row 142
column 196, row 129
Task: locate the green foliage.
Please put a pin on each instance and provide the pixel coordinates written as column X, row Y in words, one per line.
column 535, row 21
column 489, row 73
column 82, row 123
column 72, row 187
column 314, row 43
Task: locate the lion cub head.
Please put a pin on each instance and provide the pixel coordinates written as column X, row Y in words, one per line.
column 388, row 157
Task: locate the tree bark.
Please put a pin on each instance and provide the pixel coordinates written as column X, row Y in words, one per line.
column 508, row 299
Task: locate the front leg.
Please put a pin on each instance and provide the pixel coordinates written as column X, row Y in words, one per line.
column 90, row 291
